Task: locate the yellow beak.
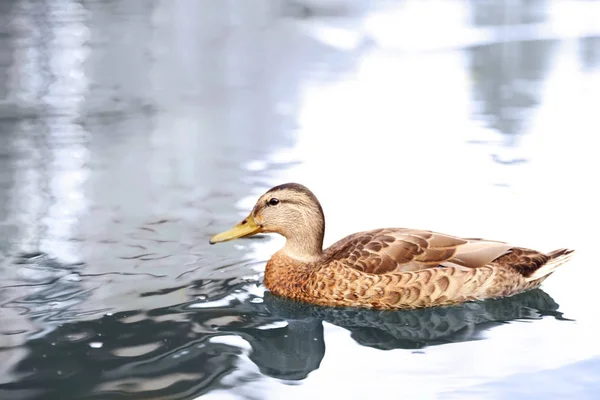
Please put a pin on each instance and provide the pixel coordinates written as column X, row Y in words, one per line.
column 245, row 228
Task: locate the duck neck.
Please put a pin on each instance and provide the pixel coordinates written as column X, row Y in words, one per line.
column 305, row 243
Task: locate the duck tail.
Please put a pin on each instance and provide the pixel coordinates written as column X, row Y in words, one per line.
column 556, row 258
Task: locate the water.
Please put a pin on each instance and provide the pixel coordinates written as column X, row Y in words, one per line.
column 132, row 131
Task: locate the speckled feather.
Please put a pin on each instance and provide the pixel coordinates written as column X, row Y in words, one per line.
column 357, row 272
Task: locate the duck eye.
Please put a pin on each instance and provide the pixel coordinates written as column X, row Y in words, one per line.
column 273, row 201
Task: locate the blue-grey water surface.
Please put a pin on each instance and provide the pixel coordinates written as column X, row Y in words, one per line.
column 132, row 130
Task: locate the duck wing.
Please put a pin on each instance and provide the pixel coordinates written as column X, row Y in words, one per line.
column 397, row 250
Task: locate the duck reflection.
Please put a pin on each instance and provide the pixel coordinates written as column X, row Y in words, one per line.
column 183, row 351
column 287, row 337
column 413, row 329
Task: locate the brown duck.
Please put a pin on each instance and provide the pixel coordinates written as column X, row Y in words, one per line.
column 391, row 268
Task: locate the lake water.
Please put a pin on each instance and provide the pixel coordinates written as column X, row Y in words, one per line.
column 131, row 131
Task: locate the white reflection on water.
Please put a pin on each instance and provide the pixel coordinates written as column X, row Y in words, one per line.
column 49, row 76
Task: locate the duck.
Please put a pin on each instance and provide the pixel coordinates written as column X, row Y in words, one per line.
column 388, row 268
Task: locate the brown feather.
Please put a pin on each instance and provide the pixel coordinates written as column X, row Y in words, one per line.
column 387, row 250
column 390, row 269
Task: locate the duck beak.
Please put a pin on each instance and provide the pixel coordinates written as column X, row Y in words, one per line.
column 245, row 228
